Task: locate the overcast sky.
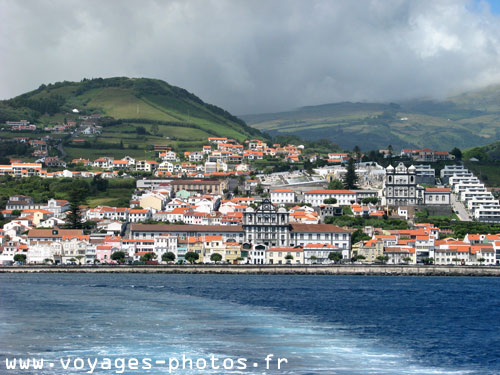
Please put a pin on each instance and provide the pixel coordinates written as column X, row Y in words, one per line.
column 256, row 56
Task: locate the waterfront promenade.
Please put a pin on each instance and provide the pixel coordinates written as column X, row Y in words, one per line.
column 394, row 270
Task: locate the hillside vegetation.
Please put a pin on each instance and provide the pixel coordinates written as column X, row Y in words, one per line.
column 176, row 116
column 467, row 120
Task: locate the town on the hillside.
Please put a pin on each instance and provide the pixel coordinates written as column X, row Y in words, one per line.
column 227, row 203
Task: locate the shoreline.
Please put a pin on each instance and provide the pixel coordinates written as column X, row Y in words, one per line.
column 362, row 270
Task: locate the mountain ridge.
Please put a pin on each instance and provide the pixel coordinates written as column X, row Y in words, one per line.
column 466, row 120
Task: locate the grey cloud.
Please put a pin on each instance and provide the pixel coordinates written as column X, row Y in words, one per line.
column 256, row 56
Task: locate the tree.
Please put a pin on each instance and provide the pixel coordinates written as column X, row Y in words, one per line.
column 259, row 189
column 457, row 153
column 407, row 259
column 191, row 257
column 118, row 256
column 456, row 260
column 168, row 257
column 355, row 258
column 335, row 257
column 148, row 257
column 382, row 258
column 16, row 213
column 313, row 259
column 79, row 258
column 428, row 261
column 140, row 130
column 357, row 152
column 373, row 200
column 47, row 261
column 330, row 201
column 154, row 129
column 289, row 258
column 215, row 257
column 390, row 149
column 77, row 196
column 358, row 235
column 481, row 260
column 21, row 258
column 351, row 179
column 335, row 184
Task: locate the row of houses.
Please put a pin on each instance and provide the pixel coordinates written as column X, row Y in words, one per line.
column 424, row 245
column 426, row 155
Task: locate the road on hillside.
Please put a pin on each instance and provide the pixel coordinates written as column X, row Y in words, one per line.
column 459, row 209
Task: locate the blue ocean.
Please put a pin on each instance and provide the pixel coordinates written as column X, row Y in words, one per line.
column 320, row 324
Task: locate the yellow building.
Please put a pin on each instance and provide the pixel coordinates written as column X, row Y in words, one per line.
column 152, row 201
column 38, row 215
column 232, row 252
column 285, row 255
column 196, row 245
column 370, row 250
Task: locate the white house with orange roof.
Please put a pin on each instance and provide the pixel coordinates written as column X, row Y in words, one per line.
column 400, row 255
column 194, row 156
column 304, row 215
column 335, row 157
column 213, row 245
column 168, row 156
column 105, row 212
column 475, row 239
column 484, row 254
column 136, row 215
column 283, row 196
column 104, row 163
column 451, row 251
column 26, row 169
column 120, row 164
column 437, row 196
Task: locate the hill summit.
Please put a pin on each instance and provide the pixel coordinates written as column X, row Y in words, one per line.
column 133, row 101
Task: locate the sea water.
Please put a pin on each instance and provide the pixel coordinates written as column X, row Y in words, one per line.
column 320, row 324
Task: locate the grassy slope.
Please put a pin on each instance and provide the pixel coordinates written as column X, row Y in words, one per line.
column 463, row 121
column 187, row 121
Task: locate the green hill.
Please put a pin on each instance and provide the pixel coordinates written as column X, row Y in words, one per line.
column 169, row 114
column 486, row 162
column 467, row 120
column 488, row 153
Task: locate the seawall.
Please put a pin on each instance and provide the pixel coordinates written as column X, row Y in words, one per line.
column 389, row 270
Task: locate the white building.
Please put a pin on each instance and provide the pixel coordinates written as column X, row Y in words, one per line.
column 285, row 196
column 319, row 253
column 437, row 196
column 165, row 243
column 317, row 197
